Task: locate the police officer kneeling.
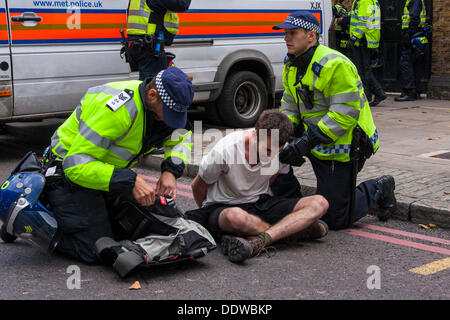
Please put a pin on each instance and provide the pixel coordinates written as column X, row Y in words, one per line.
column 325, row 100
column 95, row 147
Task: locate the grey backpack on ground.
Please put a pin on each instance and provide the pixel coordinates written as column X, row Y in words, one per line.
column 153, row 236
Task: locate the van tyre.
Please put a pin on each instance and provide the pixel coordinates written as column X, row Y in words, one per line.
column 6, row 237
column 212, row 114
column 243, row 98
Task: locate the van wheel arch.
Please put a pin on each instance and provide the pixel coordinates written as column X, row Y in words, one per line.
column 244, row 61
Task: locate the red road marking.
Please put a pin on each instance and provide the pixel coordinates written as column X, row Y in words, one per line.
column 403, row 233
column 393, row 240
column 364, row 234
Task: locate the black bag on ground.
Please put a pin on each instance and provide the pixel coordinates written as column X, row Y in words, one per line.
column 154, row 236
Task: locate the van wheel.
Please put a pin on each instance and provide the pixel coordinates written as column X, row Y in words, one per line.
column 243, row 98
column 6, row 237
column 212, row 114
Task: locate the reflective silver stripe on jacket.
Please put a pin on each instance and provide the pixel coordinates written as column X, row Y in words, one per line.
column 76, row 160
column 313, row 120
column 290, row 100
column 182, row 149
column 289, row 104
column 103, row 142
column 78, row 112
column 137, row 26
column 345, row 110
column 140, row 13
column 104, row 89
column 344, row 97
column 171, row 25
column 132, row 111
column 57, row 145
column 175, row 142
column 333, row 126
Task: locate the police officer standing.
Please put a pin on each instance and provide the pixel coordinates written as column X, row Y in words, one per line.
column 93, row 150
column 365, row 26
column 151, row 25
column 341, row 27
column 325, row 100
column 411, row 63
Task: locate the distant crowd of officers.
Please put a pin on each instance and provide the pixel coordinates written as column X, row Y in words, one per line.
column 358, row 34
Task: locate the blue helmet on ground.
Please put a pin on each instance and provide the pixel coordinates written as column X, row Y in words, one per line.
column 21, row 212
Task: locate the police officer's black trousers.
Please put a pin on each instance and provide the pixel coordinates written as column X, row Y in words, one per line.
column 360, row 57
column 334, row 182
column 411, row 69
column 82, row 219
column 146, row 62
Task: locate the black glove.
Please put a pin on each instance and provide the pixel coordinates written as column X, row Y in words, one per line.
column 352, row 43
column 293, row 153
column 300, row 147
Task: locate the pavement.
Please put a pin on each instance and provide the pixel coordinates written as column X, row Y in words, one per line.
column 414, row 149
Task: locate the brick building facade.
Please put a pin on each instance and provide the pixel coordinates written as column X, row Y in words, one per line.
column 439, row 87
column 439, row 84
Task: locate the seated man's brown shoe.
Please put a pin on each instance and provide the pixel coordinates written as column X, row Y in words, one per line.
column 240, row 249
column 317, row 230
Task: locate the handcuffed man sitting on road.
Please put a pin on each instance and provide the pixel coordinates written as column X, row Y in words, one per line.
column 233, row 191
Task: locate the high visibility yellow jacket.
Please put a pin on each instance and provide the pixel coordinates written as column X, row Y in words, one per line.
column 109, row 130
column 143, row 20
column 365, row 19
column 339, row 102
column 341, row 12
column 406, row 17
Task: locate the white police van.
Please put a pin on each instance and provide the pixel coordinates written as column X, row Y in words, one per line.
column 52, row 51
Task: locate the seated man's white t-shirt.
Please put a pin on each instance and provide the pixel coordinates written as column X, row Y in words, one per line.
column 231, row 177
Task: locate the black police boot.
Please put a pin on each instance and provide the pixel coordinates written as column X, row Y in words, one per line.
column 378, row 98
column 411, row 95
column 418, row 95
column 386, row 202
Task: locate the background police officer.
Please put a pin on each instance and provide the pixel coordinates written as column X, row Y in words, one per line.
column 325, row 99
column 96, row 146
column 365, row 26
column 341, row 26
column 411, row 62
column 151, row 25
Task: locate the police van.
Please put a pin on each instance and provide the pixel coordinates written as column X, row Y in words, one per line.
column 52, row 51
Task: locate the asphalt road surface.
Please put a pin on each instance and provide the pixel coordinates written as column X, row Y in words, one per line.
column 372, row 261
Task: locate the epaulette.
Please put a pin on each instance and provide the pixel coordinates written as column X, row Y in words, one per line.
column 317, row 68
column 119, row 100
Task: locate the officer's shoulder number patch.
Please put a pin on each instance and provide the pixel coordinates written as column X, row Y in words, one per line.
column 317, row 68
column 118, row 100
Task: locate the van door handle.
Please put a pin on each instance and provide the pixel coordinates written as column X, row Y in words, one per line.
column 28, row 19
